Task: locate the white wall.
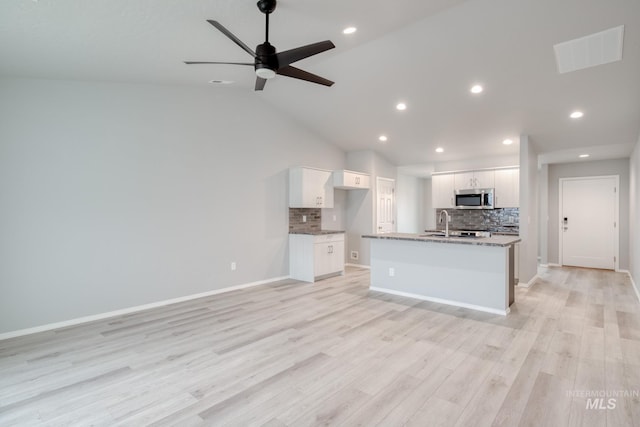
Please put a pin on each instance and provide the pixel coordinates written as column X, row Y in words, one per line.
column 410, row 203
column 361, row 205
column 594, row 168
column 543, row 231
column 478, row 163
column 115, row 195
column 634, row 215
column 429, row 214
column 528, row 210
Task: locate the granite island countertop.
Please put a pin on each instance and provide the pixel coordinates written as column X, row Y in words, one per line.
column 502, row 241
column 317, row 232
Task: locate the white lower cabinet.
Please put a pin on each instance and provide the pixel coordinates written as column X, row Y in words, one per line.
column 314, row 256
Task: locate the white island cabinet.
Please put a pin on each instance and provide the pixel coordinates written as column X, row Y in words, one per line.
column 475, row 273
column 310, row 188
column 315, row 256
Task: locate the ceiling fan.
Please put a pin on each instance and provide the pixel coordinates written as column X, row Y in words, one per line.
column 268, row 62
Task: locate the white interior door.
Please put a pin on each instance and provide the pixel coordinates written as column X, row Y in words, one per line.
column 588, row 222
column 386, row 189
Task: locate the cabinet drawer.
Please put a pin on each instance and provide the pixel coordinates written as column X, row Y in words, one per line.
column 327, row 238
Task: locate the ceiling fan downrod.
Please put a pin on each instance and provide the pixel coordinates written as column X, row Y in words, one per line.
column 266, row 7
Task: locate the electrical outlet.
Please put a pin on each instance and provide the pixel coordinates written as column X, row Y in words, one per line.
column 355, row 255
column 335, row 218
column 304, row 218
column 392, row 271
column 233, row 266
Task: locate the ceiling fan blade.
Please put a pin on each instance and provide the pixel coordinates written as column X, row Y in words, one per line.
column 260, row 82
column 229, row 34
column 227, row 63
column 297, row 73
column 290, row 56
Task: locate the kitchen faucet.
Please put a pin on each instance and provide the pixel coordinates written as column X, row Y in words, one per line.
column 446, row 223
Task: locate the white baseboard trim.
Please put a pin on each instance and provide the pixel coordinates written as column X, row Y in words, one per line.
column 102, row 316
column 530, row 283
column 553, row 264
column 442, row 301
column 368, row 267
column 635, row 288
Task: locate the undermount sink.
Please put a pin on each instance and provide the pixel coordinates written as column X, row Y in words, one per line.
column 454, row 234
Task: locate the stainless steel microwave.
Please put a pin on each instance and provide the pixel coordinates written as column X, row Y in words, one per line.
column 475, row 198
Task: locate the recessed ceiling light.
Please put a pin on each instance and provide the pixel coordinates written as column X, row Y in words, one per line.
column 583, row 156
column 507, row 142
column 382, row 138
column 349, row 30
column 220, row 82
column 576, row 114
column 476, row 89
column 439, row 150
column 401, row 106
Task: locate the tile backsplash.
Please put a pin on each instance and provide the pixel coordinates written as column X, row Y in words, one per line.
column 506, row 219
column 314, row 219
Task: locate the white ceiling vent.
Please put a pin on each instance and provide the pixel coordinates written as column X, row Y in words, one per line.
column 588, row 51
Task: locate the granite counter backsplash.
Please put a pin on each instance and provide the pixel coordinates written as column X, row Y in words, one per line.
column 496, row 220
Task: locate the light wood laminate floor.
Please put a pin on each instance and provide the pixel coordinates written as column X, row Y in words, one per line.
column 334, row 353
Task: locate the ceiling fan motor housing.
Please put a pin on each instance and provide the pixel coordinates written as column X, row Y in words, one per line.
column 266, row 58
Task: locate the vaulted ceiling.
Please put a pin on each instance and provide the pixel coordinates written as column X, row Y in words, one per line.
column 424, row 53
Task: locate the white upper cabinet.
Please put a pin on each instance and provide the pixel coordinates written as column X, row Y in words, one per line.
column 442, row 188
column 507, row 194
column 474, row 179
column 349, row 180
column 310, row 188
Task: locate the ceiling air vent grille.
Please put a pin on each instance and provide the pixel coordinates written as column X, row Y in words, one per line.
column 588, row 51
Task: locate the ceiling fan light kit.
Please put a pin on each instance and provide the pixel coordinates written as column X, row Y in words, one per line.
column 267, row 61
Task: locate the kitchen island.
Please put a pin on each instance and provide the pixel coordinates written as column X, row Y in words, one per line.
column 470, row 272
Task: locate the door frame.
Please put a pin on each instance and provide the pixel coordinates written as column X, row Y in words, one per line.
column 393, row 207
column 616, row 235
